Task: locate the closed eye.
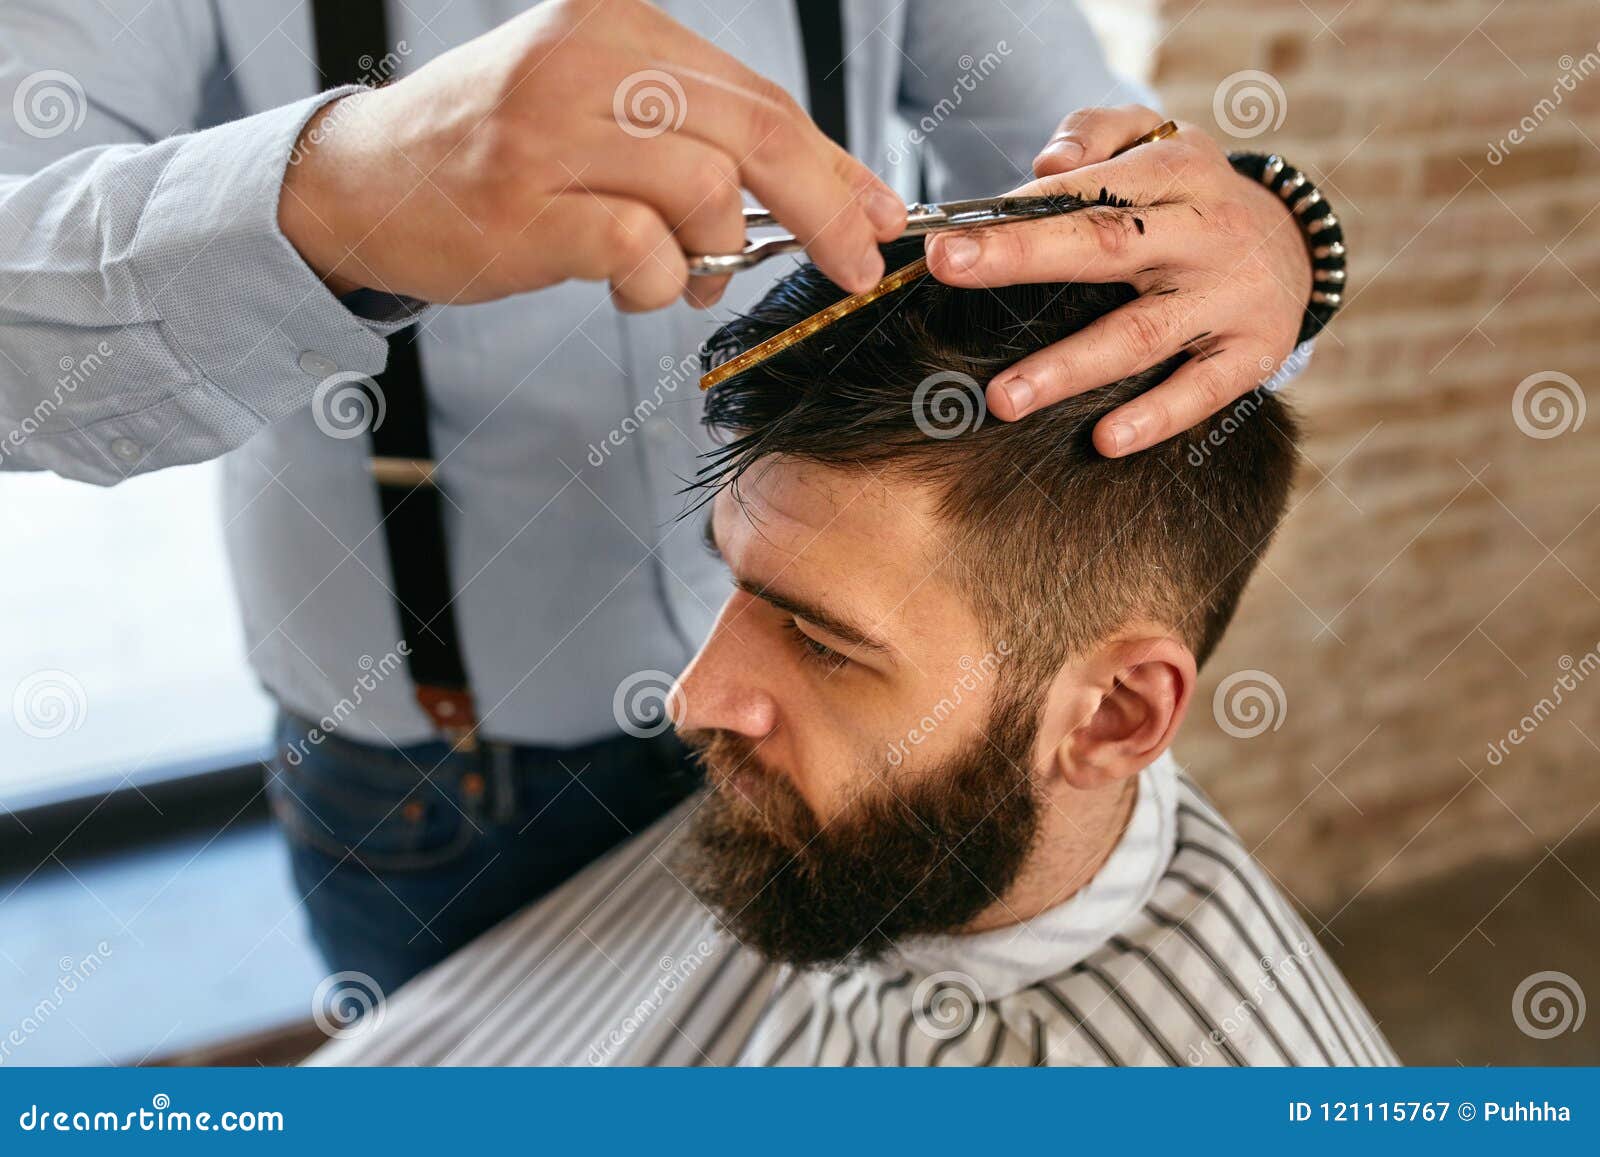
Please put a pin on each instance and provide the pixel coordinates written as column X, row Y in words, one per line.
column 811, row 651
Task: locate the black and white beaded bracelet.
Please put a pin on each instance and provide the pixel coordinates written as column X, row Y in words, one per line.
column 1323, row 234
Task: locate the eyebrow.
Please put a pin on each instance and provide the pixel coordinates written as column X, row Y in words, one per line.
column 799, row 607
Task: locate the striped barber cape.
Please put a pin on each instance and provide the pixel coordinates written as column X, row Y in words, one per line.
column 1180, row 951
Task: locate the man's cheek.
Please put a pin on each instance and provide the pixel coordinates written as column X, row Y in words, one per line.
column 914, row 739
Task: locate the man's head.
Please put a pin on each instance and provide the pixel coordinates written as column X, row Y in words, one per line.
column 955, row 640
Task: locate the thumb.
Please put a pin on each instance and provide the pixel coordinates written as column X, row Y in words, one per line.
column 1091, row 135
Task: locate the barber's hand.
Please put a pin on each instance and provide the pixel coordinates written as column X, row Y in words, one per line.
column 592, row 139
column 1220, row 265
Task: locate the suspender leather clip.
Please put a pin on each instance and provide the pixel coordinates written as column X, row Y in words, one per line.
column 453, row 713
column 405, row 473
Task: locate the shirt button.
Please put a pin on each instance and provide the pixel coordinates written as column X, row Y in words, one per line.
column 317, row 365
column 126, row 449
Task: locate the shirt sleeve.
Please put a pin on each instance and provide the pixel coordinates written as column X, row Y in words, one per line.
column 153, row 313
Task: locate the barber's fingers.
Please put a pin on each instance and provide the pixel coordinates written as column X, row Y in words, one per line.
column 692, row 186
column 1095, row 244
column 883, row 206
column 1131, row 338
column 695, row 61
column 831, row 202
column 696, row 189
column 1199, row 388
column 1088, row 136
column 649, row 270
column 1162, row 180
column 1180, row 168
column 655, row 281
column 600, row 237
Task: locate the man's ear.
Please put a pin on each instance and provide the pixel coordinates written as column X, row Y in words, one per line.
column 1115, row 712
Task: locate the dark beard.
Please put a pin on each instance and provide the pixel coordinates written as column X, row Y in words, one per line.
column 925, row 858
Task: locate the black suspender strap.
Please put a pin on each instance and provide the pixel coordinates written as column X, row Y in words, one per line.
column 346, row 31
column 351, row 36
column 822, row 34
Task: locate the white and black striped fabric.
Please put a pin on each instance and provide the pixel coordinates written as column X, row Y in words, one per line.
column 1180, row 951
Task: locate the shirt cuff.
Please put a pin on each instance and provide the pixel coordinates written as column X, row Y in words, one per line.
column 232, row 294
column 1291, row 367
column 387, row 312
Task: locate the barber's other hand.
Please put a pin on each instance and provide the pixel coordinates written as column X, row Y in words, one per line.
column 1219, row 263
column 592, row 139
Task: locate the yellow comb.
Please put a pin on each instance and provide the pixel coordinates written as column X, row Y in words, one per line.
column 804, row 329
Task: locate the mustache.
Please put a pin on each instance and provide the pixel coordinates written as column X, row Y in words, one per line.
column 768, row 803
column 720, row 754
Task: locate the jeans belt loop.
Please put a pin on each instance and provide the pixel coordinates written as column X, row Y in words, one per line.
column 502, row 758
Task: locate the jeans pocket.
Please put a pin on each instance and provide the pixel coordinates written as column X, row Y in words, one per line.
column 369, row 804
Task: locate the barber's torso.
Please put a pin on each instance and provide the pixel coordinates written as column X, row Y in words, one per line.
column 564, row 428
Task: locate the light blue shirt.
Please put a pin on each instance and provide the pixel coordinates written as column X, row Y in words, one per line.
column 151, row 313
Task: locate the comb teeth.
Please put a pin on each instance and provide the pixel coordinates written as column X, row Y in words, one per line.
column 798, row 332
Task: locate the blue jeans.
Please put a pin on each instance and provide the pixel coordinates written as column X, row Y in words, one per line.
column 404, row 854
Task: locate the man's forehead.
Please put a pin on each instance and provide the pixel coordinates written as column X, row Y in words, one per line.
column 821, row 514
column 866, row 547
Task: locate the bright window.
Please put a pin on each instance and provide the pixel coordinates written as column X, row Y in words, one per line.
column 122, row 654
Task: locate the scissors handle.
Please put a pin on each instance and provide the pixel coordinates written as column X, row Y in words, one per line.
column 753, row 254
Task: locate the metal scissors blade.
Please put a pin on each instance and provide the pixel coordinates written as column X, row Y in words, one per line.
column 921, row 218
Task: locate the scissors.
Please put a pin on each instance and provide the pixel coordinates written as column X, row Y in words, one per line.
column 921, row 218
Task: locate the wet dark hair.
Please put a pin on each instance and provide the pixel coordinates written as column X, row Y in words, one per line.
column 1058, row 546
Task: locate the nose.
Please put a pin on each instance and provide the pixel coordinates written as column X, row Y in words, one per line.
column 720, row 689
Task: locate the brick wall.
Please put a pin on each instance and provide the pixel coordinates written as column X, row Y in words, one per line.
column 1441, row 562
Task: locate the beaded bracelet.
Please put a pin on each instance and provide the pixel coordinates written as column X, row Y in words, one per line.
column 1323, row 234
